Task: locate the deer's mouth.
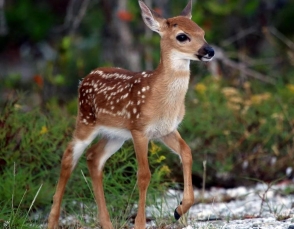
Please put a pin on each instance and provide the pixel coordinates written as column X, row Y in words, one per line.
column 205, row 57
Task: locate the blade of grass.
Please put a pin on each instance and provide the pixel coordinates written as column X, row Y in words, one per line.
column 18, row 207
column 32, row 205
column 88, row 184
column 128, row 205
column 13, row 190
column 12, row 199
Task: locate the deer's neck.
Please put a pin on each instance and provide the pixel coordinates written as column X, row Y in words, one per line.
column 166, row 108
column 172, row 79
column 172, row 65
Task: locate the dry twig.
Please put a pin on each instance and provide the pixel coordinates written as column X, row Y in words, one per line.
column 222, row 57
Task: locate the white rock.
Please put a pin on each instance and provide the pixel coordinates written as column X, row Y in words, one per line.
column 189, row 227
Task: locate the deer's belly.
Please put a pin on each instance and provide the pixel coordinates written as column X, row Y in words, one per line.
column 162, row 127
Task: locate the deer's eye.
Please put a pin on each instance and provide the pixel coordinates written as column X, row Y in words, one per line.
column 182, row 37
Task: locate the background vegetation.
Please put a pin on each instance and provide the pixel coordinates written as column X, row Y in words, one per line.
column 239, row 115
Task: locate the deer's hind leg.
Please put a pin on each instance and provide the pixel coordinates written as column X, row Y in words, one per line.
column 83, row 136
column 97, row 155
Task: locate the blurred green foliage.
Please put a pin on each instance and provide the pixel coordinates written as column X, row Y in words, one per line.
column 29, row 19
column 77, row 54
column 241, row 132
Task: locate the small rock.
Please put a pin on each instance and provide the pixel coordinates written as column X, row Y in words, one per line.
column 291, row 227
column 189, row 227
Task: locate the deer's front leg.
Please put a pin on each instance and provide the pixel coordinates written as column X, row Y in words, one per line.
column 143, row 175
column 179, row 146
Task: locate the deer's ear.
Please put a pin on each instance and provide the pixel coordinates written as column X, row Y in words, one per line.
column 152, row 19
column 187, row 12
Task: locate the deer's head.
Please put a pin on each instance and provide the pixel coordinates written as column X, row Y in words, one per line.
column 181, row 36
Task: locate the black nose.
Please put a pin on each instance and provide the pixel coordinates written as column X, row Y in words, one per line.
column 209, row 51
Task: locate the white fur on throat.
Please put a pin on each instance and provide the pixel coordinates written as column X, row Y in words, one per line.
column 179, row 61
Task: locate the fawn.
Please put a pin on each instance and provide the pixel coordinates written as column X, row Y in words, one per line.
column 119, row 105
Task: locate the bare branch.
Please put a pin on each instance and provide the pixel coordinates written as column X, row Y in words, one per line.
column 81, row 14
column 238, row 36
column 75, row 12
column 282, row 37
column 221, row 56
column 3, row 24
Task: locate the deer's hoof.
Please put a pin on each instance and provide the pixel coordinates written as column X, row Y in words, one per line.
column 176, row 214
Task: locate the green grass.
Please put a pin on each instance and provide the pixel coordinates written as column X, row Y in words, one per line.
column 32, row 143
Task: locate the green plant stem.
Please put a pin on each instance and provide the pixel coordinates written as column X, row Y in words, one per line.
column 32, row 204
